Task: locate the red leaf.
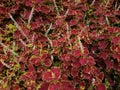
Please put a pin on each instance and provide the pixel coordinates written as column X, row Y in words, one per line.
column 55, row 43
column 35, row 60
column 46, row 59
column 76, row 64
column 57, row 72
column 90, row 60
column 31, row 75
column 44, row 9
column 47, row 62
column 1, row 65
column 44, row 55
column 72, row 22
column 83, row 61
column 118, row 49
column 28, row 75
column 109, row 64
column 34, row 25
column 65, row 57
column 103, row 55
column 23, row 77
column 16, row 87
column 74, row 32
column 71, row 12
column 93, row 35
column 3, row 10
column 77, row 53
column 14, row 8
column 31, row 68
column 74, row 72
column 35, row 52
column 54, row 86
column 22, row 66
column 101, row 76
column 87, row 76
column 44, row 86
column 47, row 76
column 116, row 40
column 59, row 22
column 102, row 44
column 65, row 85
column 82, row 85
column 101, row 87
column 110, row 29
column 53, row 74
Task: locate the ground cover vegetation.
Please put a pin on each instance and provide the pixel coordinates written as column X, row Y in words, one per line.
column 59, row 44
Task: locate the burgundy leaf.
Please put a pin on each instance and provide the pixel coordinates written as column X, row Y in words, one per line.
column 44, row 86
column 54, row 86
column 77, row 53
column 47, row 76
column 65, row 85
column 101, row 87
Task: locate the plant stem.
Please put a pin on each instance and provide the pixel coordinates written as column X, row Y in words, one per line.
column 56, row 7
column 93, row 2
column 66, row 13
column 118, row 8
column 48, row 29
column 5, row 64
column 31, row 15
column 81, row 45
column 14, row 53
column 23, row 42
column 68, row 35
column 46, row 34
column 108, row 23
column 18, row 27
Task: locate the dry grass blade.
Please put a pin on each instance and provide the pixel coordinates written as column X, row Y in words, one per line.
column 5, row 64
column 31, row 15
column 14, row 53
column 18, row 27
column 56, row 7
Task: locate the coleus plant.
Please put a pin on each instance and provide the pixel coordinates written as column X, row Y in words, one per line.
column 59, row 45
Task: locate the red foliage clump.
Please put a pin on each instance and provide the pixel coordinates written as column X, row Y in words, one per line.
column 59, row 44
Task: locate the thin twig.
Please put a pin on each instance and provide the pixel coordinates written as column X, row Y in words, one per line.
column 81, row 45
column 108, row 23
column 46, row 34
column 116, row 3
column 68, row 34
column 23, row 42
column 31, row 15
column 5, row 51
column 18, row 27
column 48, row 29
column 66, row 13
column 49, row 41
column 14, row 53
column 118, row 8
column 22, row 20
column 5, row 64
column 56, row 7
column 93, row 2
column 107, row 2
column 83, row 29
column 84, row 17
column 33, row 37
